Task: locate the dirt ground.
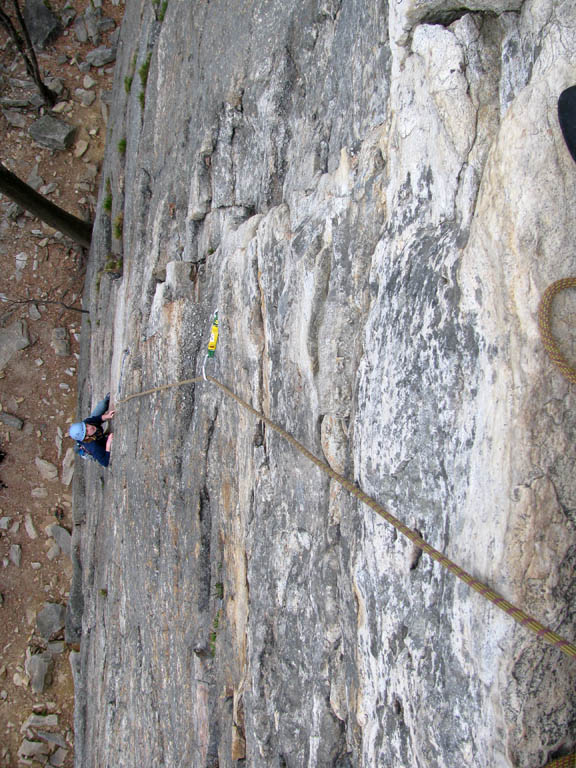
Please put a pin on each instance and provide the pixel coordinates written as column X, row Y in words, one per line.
column 36, row 385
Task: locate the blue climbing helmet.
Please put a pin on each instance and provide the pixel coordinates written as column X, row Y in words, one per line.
column 77, row 431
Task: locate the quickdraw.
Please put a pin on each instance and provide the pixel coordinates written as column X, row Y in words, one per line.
column 212, row 343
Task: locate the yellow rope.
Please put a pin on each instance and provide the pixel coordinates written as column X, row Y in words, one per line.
column 544, row 323
column 524, row 619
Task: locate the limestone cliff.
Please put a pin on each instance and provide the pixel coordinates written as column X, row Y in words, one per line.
column 374, row 195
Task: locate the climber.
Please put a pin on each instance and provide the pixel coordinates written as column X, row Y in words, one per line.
column 89, row 434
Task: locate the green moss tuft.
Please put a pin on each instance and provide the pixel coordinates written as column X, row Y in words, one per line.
column 107, row 204
column 118, row 226
column 160, row 9
column 144, row 70
column 214, row 634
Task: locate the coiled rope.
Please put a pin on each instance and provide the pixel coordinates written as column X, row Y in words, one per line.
column 569, row 372
column 545, row 326
column 524, row 619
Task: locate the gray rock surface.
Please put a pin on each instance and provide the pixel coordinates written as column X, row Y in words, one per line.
column 101, row 56
column 36, row 721
column 375, row 197
column 52, row 738
column 66, row 16
column 15, row 119
column 33, row 311
column 91, row 24
column 62, row 537
column 42, row 24
column 16, row 554
column 60, row 342
column 46, row 469
column 68, row 467
column 29, row 526
column 11, row 421
column 80, row 29
column 12, row 339
column 58, row 757
column 38, row 668
column 30, row 750
column 50, row 620
column 85, row 97
column 52, row 133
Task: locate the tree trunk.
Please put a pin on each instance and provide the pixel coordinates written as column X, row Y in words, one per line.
column 78, row 230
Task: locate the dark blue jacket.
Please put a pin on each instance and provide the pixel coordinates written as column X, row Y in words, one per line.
column 97, row 448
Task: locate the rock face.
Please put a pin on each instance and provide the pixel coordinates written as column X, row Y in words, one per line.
column 375, row 200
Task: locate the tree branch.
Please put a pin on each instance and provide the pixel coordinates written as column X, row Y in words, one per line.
column 10, row 185
column 9, row 300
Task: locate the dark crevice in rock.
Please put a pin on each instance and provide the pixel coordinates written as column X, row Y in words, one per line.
column 210, row 434
column 204, row 555
column 416, row 554
column 447, row 16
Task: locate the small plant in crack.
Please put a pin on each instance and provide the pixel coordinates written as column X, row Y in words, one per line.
column 107, row 204
column 118, row 226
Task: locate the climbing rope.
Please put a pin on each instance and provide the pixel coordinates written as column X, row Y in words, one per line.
column 544, row 323
column 180, row 383
column 524, row 619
